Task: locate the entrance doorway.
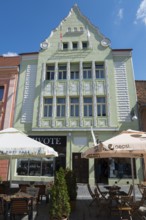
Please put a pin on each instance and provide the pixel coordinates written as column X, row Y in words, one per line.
column 81, row 168
column 101, row 169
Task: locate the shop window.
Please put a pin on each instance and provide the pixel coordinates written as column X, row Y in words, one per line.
column 101, row 106
column 35, row 167
column 99, row 71
column 1, row 93
column 50, row 72
column 87, row 106
column 48, row 107
column 60, row 107
column 74, row 107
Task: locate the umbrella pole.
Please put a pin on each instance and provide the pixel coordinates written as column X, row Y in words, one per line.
column 132, row 172
column 10, row 171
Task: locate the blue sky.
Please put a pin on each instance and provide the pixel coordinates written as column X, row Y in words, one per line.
column 25, row 24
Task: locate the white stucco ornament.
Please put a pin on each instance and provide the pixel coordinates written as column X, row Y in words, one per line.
column 105, row 42
column 44, row 45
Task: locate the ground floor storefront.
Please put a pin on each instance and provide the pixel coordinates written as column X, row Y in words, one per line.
column 70, row 147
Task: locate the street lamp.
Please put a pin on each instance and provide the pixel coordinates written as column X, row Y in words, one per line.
column 70, row 161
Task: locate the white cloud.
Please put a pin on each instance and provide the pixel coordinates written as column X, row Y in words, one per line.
column 10, row 54
column 120, row 13
column 141, row 12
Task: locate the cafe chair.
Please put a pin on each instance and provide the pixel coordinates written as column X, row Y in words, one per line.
column 34, row 192
column 103, row 194
column 2, row 209
column 22, row 187
column 92, row 194
column 21, row 207
column 42, row 192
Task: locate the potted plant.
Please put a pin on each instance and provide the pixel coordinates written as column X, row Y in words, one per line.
column 71, row 182
column 59, row 206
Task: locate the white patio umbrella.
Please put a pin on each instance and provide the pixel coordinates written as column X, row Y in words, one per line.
column 128, row 144
column 14, row 144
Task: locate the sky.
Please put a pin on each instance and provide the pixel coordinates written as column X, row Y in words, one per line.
column 25, row 24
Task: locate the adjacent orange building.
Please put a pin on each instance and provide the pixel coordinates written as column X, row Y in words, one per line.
column 9, row 68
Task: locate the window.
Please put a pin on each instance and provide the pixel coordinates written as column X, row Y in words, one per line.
column 88, row 107
column 60, row 107
column 35, row 167
column 69, row 29
column 85, row 45
column 50, row 72
column 99, row 69
column 48, row 107
column 75, row 29
column 101, row 106
column 74, row 45
column 1, row 93
column 74, row 75
column 81, row 29
column 62, row 72
column 74, row 107
column 65, row 46
column 87, row 72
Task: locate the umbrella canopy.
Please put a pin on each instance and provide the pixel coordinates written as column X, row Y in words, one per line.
column 15, row 144
column 130, row 144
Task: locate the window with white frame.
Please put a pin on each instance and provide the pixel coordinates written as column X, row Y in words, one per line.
column 48, row 107
column 101, row 106
column 99, row 70
column 1, row 93
column 87, row 72
column 50, row 72
column 74, row 75
column 87, row 106
column 74, row 107
column 60, row 107
column 62, row 72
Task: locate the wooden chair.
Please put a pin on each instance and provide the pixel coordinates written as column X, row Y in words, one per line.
column 2, row 209
column 92, row 194
column 103, row 194
column 22, row 187
column 42, row 192
column 2, row 188
column 34, row 192
column 21, row 207
column 127, row 204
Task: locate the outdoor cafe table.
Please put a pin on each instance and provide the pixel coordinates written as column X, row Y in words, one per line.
column 7, row 200
column 115, row 192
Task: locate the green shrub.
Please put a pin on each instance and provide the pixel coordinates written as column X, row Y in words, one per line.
column 59, row 203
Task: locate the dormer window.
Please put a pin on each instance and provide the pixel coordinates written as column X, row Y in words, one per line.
column 84, row 45
column 75, row 45
column 65, row 46
column 75, row 29
column 69, row 29
column 81, row 29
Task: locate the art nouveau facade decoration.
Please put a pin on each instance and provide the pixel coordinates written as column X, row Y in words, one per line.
column 77, row 81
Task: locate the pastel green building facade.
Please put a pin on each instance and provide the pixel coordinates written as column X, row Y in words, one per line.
column 76, row 81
